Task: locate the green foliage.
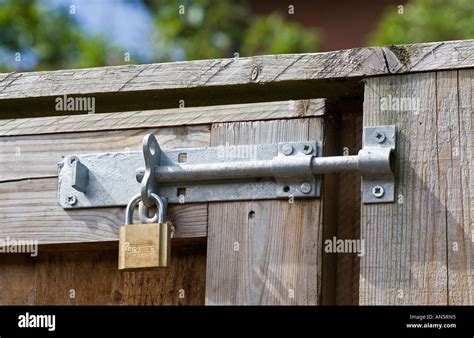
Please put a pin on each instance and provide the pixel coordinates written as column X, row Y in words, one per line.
column 199, row 29
column 51, row 34
column 272, row 35
column 51, row 38
column 427, row 21
column 206, row 29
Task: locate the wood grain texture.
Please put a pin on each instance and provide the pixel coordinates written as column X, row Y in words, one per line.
column 30, row 210
column 419, row 249
column 17, row 279
column 348, row 215
column 329, row 210
column 28, row 186
column 36, row 156
column 458, row 108
column 181, row 284
column 264, row 252
column 162, row 117
column 235, row 71
column 92, row 278
column 224, row 81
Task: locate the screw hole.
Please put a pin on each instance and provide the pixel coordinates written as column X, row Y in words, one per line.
column 251, row 214
column 181, row 192
column 182, row 158
column 286, row 189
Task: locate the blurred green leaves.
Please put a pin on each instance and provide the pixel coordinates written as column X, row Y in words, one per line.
column 426, row 21
column 49, row 36
column 273, row 35
column 206, row 29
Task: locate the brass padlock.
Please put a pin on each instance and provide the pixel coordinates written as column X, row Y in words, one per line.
column 146, row 245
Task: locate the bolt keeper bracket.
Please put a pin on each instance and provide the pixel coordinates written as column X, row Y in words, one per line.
column 224, row 173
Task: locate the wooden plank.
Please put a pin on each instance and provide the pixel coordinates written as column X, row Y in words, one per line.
column 183, row 283
column 224, row 81
column 236, row 71
column 455, row 108
column 162, row 118
column 405, row 258
column 65, row 279
column 432, row 56
column 410, row 256
column 264, row 252
column 348, row 214
column 36, row 156
column 30, row 210
column 329, row 210
column 17, row 279
column 71, row 278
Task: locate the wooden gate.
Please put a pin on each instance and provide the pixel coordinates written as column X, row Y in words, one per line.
column 418, row 250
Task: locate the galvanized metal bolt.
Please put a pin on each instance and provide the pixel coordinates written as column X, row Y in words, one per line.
column 307, row 149
column 378, row 191
column 380, row 136
column 287, row 149
column 71, row 200
column 305, row 188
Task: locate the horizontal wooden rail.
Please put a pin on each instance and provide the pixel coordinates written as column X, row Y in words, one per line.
column 223, row 81
column 31, row 148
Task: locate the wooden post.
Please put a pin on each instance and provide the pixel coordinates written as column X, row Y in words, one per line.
column 419, row 250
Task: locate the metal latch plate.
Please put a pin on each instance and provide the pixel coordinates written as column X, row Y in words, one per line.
column 111, row 177
column 378, row 188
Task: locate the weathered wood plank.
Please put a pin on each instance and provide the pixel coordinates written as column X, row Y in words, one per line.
column 405, row 258
column 65, row 279
column 348, row 216
column 264, row 252
column 17, row 279
column 443, row 55
column 162, row 118
column 236, row 71
column 183, row 283
column 224, row 81
column 410, row 256
column 30, row 210
column 329, row 210
column 455, row 109
column 36, row 156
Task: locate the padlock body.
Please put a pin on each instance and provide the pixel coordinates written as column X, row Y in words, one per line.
column 165, row 244
column 139, row 246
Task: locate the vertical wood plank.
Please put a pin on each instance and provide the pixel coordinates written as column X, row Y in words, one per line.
column 77, row 278
column 92, row 278
column 417, row 249
column 348, row 216
column 264, row 252
column 460, row 183
column 17, row 279
column 405, row 258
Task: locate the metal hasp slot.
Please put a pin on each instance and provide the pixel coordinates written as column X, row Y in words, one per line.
column 223, row 173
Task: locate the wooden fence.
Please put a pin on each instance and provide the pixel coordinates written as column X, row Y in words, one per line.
column 418, row 250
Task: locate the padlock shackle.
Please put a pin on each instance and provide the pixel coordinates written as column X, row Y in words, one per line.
column 159, row 203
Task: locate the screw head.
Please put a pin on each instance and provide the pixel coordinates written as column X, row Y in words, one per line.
column 71, row 200
column 305, row 188
column 378, row 191
column 307, row 149
column 287, row 149
column 379, row 136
